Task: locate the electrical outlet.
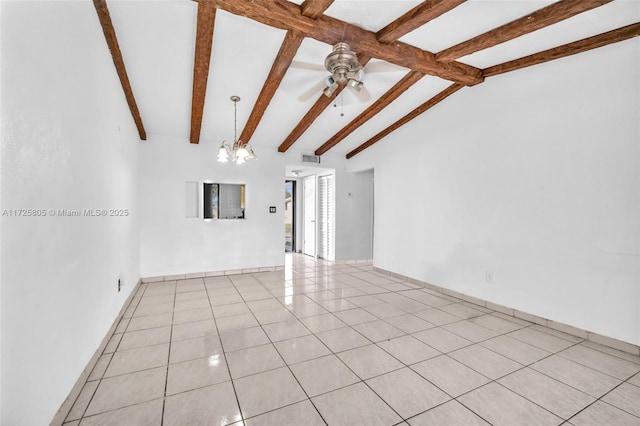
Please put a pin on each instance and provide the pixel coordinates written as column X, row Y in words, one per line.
column 488, row 277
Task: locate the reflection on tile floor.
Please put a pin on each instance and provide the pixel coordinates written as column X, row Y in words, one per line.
column 340, row 344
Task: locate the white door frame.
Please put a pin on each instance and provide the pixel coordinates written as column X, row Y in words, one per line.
column 310, row 228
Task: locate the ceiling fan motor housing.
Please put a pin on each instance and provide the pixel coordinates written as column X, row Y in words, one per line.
column 342, row 63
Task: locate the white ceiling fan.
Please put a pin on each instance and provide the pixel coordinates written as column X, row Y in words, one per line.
column 343, row 68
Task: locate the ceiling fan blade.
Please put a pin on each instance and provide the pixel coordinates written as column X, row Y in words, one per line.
column 307, row 66
column 363, row 94
column 316, row 89
column 381, row 66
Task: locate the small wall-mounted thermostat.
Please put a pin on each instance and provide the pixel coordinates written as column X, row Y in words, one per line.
column 272, row 209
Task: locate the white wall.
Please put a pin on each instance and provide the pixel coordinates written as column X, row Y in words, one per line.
column 533, row 175
column 68, row 142
column 354, row 215
column 172, row 244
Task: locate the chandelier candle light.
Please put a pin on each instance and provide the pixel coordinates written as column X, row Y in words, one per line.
column 238, row 152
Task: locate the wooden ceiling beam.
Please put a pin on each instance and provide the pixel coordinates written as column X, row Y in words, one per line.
column 419, row 15
column 576, row 47
column 415, row 18
column 320, row 105
column 292, row 41
column 116, row 54
column 404, row 120
column 204, row 40
column 288, row 50
column 286, row 15
column 314, row 8
column 569, row 49
column 391, row 95
column 541, row 18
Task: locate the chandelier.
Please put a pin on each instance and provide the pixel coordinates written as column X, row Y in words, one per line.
column 236, row 152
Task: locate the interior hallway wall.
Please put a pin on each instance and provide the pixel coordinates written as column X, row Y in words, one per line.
column 533, row 176
column 173, row 244
column 68, row 142
column 354, row 208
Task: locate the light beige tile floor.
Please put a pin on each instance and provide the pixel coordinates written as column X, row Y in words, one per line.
column 340, row 344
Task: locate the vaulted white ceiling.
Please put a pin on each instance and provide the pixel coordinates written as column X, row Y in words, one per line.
column 157, row 40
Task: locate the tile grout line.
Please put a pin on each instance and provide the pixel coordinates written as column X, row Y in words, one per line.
column 442, row 292
column 340, row 360
column 287, row 365
column 175, row 292
column 388, row 372
column 614, row 388
column 528, row 366
column 224, row 353
column 324, row 286
column 600, row 398
column 473, row 343
column 451, row 398
column 166, row 378
column 100, row 380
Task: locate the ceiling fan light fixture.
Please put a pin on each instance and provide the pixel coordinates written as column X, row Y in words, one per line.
column 329, row 90
column 355, row 84
column 332, row 85
column 341, row 75
column 344, row 70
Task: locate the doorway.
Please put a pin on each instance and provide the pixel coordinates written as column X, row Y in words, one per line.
column 289, row 216
column 309, row 246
